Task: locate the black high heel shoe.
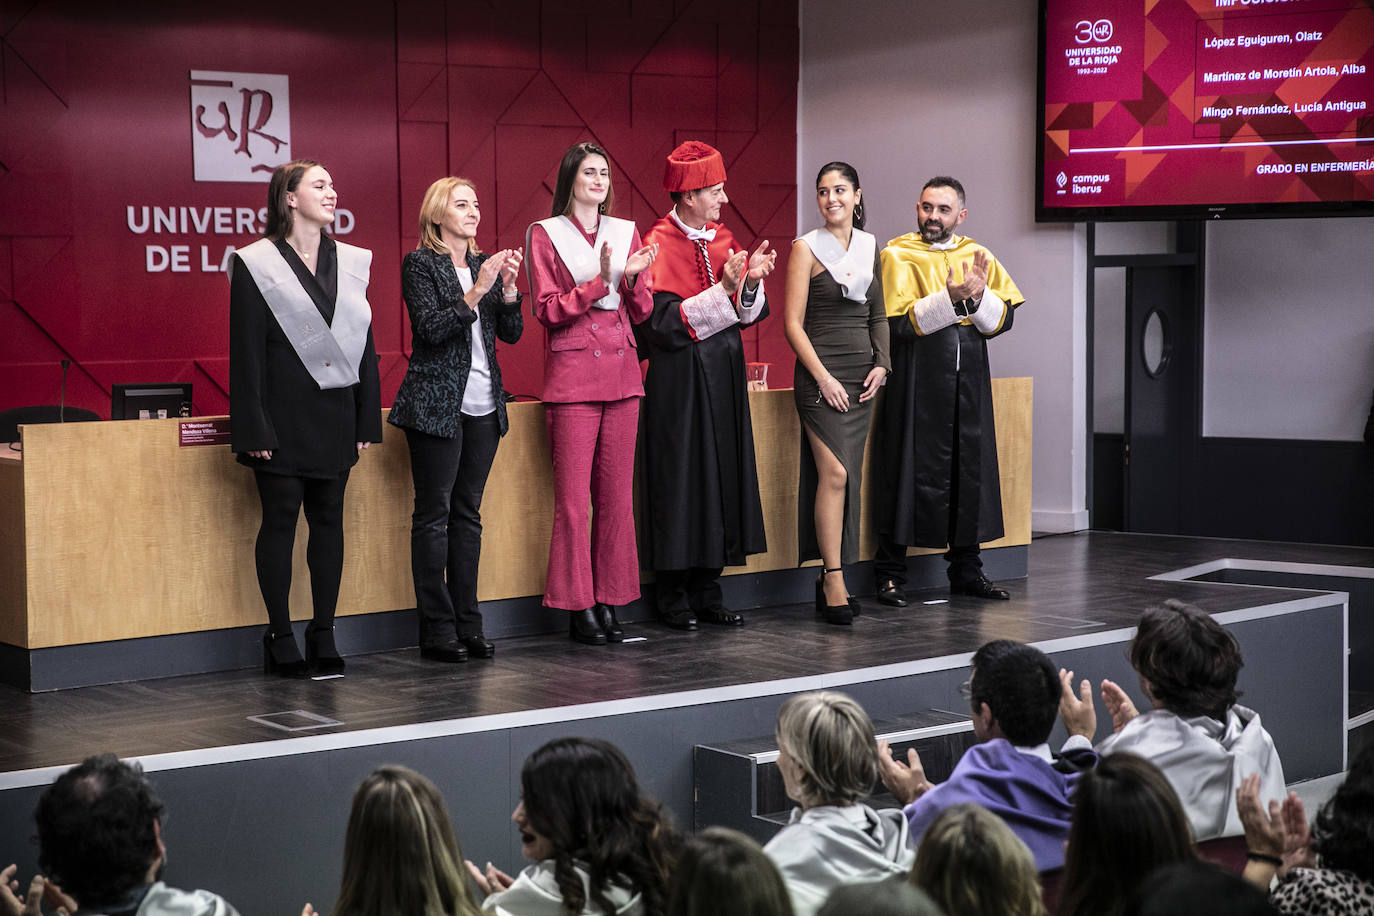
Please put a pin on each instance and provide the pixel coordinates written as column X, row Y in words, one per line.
column 320, row 651
column 838, row 614
column 582, row 627
column 280, row 656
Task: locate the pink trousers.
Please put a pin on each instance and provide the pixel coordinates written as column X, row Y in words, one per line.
column 593, row 449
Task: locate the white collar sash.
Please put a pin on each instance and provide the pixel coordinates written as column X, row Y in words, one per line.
column 852, row 268
column 584, row 261
column 330, row 352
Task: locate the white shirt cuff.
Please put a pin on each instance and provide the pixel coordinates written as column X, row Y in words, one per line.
column 991, row 311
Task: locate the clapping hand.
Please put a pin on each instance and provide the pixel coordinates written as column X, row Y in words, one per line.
column 639, row 261
column 1282, row 832
column 975, row 279
column 510, row 268
column 40, row 889
column 1077, row 710
column 735, row 264
column 490, row 881
column 1118, row 704
column 761, row 264
column 906, row 781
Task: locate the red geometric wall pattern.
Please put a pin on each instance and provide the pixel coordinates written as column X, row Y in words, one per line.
column 95, row 125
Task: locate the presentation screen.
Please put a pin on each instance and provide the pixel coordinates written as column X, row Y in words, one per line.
column 1169, row 109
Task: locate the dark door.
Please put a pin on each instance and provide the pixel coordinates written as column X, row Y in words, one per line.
column 1161, row 416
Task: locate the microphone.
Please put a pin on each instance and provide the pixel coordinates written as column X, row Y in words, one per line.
column 62, row 403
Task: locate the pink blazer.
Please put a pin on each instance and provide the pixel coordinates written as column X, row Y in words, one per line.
column 590, row 353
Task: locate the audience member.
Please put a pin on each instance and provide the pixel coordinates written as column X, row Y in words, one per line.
column 1014, row 694
column 1197, row 888
column 724, row 871
column 1127, row 821
column 100, row 843
column 1327, row 871
column 599, row 846
column 828, row 757
column 1196, row 732
column 971, row 864
column 889, row 897
column 400, row 853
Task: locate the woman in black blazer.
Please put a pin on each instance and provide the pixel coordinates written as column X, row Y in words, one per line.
column 304, row 398
column 453, row 409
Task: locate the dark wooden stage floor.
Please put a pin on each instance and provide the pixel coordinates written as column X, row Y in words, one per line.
column 1077, row 584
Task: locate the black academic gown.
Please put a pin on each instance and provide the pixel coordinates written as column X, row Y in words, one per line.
column 700, row 505
column 926, row 413
column 274, row 403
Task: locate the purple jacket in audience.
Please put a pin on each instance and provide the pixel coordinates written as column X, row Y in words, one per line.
column 1019, row 786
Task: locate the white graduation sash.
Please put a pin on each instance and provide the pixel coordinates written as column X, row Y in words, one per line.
column 584, row 261
column 852, row 268
column 330, row 352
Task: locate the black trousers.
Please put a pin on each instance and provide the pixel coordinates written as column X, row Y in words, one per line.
column 446, row 526
column 696, row 589
column 282, row 497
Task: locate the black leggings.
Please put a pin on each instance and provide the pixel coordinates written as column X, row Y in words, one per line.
column 282, row 497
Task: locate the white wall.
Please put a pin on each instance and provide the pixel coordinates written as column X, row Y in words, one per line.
column 1288, row 346
column 904, row 91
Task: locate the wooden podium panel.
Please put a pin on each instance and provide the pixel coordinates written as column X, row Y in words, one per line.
column 115, row 531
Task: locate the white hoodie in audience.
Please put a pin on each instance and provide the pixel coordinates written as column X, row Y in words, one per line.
column 535, row 893
column 827, row 846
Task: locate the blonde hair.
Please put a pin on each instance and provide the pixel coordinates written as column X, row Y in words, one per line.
column 971, row 863
column 432, row 214
column 400, row 852
column 830, row 739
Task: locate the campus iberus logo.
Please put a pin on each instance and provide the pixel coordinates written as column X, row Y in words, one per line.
column 240, row 125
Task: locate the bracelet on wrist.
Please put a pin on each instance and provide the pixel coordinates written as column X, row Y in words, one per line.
column 1264, row 857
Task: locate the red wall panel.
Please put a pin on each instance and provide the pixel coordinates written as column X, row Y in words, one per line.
column 95, row 118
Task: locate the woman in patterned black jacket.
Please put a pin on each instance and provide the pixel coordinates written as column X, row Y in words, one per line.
column 453, row 409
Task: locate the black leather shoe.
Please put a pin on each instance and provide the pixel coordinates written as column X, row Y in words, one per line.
column 320, row 652
column 478, row 646
column 679, row 620
column 448, row 652
column 981, row 587
column 722, row 616
column 605, row 618
column 890, row 593
column 582, row 626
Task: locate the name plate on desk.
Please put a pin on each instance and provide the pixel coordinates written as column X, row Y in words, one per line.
column 214, row 431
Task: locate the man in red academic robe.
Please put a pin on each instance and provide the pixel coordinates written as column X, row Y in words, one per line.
column 700, row 509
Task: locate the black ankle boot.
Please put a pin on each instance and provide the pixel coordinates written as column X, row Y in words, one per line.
column 582, row 626
column 280, row 656
column 320, row 651
column 605, row 617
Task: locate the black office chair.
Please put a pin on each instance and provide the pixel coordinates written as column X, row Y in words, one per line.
column 12, row 419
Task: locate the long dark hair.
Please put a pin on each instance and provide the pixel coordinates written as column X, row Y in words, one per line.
column 851, row 176
column 285, row 178
column 581, row 794
column 1127, row 821
column 567, row 171
column 1344, row 833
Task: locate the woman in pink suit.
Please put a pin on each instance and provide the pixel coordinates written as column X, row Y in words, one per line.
column 589, row 282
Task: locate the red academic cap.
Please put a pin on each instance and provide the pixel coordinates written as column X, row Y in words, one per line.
column 692, row 166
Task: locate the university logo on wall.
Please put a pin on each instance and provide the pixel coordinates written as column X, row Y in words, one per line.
column 240, row 125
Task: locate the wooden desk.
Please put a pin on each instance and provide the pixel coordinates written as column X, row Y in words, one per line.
column 113, row 531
